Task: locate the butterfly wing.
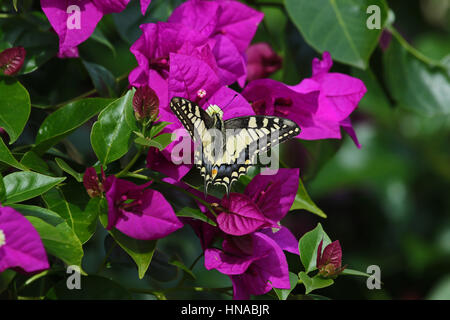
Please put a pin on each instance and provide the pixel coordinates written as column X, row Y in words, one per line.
column 250, row 136
column 193, row 118
column 197, row 122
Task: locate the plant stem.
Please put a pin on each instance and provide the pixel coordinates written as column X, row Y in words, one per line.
column 195, row 261
column 125, row 170
column 105, row 259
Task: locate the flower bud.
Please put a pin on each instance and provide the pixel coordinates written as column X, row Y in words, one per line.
column 329, row 262
column 145, row 104
column 262, row 61
column 92, row 184
column 11, row 60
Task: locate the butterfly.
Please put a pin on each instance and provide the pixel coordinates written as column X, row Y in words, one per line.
column 224, row 150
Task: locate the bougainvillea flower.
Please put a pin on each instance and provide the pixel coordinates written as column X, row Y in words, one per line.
column 20, row 244
column 329, row 261
column 231, row 18
column 255, row 264
column 152, row 51
column 239, row 215
column 230, row 25
column 11, row 60
column 339, row 97
column 138, row 212
column 274, row 98
column 262, row 61
column 74, row 22
column 160, row 161
column 266, row 200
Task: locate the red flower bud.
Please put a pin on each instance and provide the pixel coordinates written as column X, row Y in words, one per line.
column 262, row 61
column 11, row 60
column 145, row 103
column 92, row 184
column 329, row 262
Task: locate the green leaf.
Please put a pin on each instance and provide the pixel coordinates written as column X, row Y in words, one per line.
column 186, row 270
column 303, row 201
column 5, row 279
column 67, row 119
column 92, row 288
column 2, row 189
column 31, row 31
column 148, row 143
column 283, row 294
column 351, row 272
column 338, row 26
column 15, row 107
column 42, row 213
column 141, row 251
column 128, row 21
column 59, row 241
column 67, row 169
column 21, row 186
column 375, row 102
column 83, row 222
column 103, row 80
column 34, row 162
column 309, row 244
column 414, row 81
column 163, row 139
column 7, row 158
column 99, row 36
column 158, row 127
column 160, row 142
column 441, row 291
column 315, row 282
column 110, row 135
column 189, row 212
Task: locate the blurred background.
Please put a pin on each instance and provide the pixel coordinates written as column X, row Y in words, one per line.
column 387, row 203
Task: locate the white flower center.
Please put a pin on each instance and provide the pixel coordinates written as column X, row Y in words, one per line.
column 2, row 238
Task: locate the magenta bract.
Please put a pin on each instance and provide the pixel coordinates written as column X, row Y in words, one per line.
column 138, row 212
column 20, row 244
column 74, row 22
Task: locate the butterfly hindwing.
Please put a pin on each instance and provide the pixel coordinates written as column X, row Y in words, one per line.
column 256, row 134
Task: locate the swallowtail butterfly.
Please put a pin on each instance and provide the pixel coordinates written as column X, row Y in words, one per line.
column 226, row 149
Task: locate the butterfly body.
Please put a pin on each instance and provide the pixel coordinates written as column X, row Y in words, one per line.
column 225, row 149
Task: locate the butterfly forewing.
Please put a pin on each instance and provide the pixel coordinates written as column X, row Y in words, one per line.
column 193, row 118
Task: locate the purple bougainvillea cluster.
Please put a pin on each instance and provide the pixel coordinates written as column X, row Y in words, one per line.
column 203, row 49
